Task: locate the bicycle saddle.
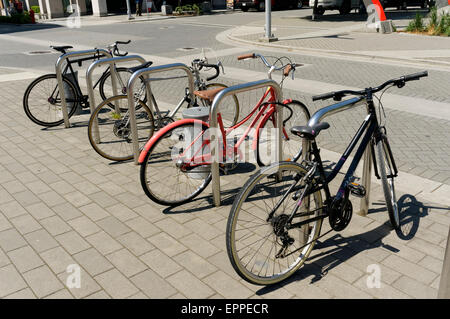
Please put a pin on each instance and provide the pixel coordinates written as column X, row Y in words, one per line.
column 61, row 48
column 208, row 94
column 139, row 67
column 309, row 132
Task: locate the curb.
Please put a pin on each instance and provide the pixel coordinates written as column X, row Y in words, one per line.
column 338, row 53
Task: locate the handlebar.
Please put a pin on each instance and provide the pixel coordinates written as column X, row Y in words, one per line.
column 201, row 64
column 287, row 68
column 399, row 82
column 115, row 50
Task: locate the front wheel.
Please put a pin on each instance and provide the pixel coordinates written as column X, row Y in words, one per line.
column 105, row 85
column 294, row 113
column 42, row 101
column 387, row 173
column 113, row 139
column 173, row 172
column 258, row 232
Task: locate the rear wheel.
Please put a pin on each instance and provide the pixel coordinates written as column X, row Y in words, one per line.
column 295, row 113
column 255, row 238
column 42, row 101
column 114, row 139
column 165, row 177
column 346, row 7
column 387, row 172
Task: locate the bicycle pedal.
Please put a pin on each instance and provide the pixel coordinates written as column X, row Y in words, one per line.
column 357, row 189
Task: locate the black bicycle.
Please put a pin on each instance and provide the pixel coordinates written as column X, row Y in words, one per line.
column 277, row 216
column 42, row 102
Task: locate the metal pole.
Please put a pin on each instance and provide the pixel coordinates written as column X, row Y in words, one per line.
column 268, row 18
column 444, row 285
column 5, row 5
column 366, row 177
column 129, row 10
column 268, row 35
column 144, row 73
column 214, row 142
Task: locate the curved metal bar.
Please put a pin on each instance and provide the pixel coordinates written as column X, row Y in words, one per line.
column 333, row 109
column 59, row 78
column 144, row 73
column 114, row 76
column 214, row 139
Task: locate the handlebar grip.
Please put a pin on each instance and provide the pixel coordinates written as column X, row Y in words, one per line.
column 324, row 96
column 415, row 76
column 287, row 70
column 247, row 56
column 216, row 67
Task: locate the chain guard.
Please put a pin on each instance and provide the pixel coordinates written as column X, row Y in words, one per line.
column 340, row 214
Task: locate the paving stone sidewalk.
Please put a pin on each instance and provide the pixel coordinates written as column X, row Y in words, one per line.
column 62, row 204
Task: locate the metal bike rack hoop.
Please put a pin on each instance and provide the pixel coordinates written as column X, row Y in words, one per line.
column 214, row 142
column 367, row 166
column 90, row 86
column 144, row 73
column 59, row 77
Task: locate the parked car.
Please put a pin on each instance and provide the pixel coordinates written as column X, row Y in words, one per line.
column 260, row 5
column 404, row 4
column 344, row 6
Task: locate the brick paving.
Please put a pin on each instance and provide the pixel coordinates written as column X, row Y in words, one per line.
column 62, row 204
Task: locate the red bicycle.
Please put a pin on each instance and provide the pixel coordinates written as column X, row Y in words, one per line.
column 175, row 163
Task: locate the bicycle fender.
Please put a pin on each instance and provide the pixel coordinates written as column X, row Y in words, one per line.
column 148, row 146
column 260, row 124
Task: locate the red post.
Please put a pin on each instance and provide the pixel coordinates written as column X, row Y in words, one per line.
column 33, row 19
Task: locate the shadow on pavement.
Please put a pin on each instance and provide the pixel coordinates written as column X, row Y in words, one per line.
column 341, row 249
column 12, row 28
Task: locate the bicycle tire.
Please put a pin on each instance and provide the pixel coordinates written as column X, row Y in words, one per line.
column 52, row 108
column 231, row 117
column 157, row 189
column 248, row 206
column 126, row 74
column 112, row 140
column 300, row 116
column 387, row 180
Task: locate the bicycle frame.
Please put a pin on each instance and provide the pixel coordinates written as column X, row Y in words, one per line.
column 369, row 132
column 205, row 159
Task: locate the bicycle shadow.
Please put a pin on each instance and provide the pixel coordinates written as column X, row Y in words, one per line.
column 337, row 249
column 205, row 202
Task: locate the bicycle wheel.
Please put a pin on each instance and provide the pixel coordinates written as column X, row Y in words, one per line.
column 229, row 107
column 296, row 113
column 105, row 85
column 42, row 102
column 254, row 239
column 386, row 171
column 114, row 133
column 164, row 177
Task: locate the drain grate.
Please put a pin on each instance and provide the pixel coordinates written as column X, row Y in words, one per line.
column 39, row 52
column 186, row 49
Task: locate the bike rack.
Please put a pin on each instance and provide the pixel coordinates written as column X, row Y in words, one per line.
column 214, row 140
column 59, row 77
column 144, row 73
column 444, row 284
column 367, row 166
column 90, row 86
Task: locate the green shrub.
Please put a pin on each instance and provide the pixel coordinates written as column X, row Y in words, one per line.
column 36, row 9
column 22, row 18
column 434, row 20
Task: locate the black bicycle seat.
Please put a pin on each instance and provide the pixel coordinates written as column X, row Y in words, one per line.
column 139, row 67
column 309, row 132
column 61, row 48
